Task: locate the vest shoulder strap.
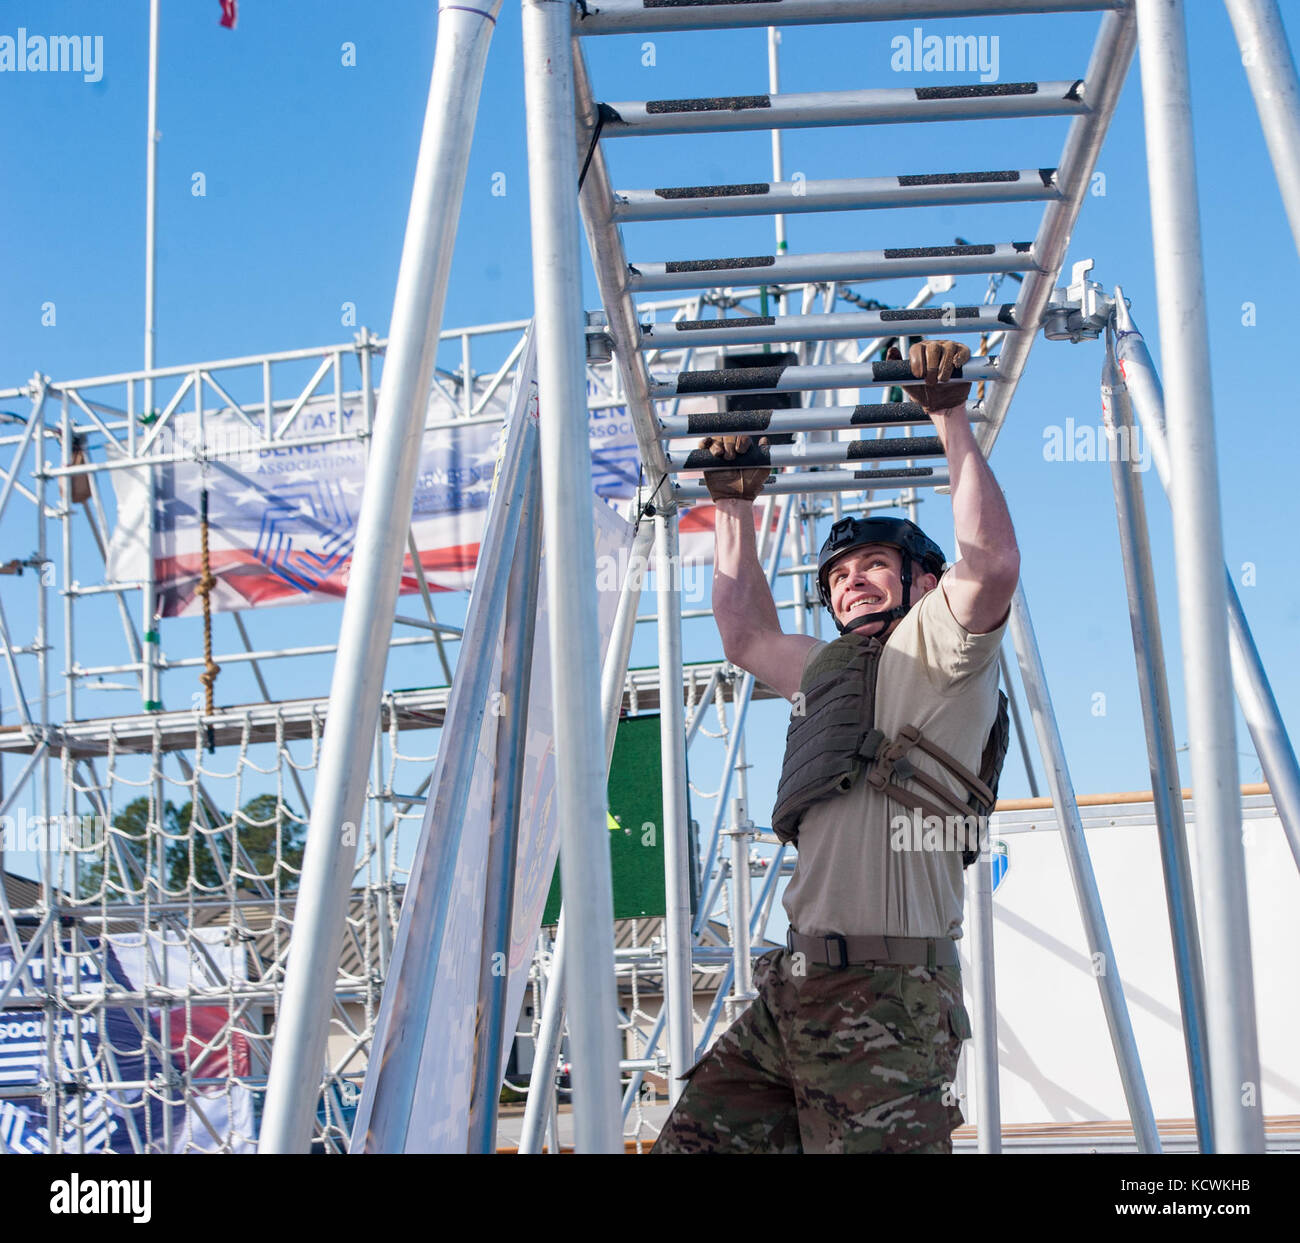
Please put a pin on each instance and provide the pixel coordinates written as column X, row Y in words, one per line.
column 981, row 789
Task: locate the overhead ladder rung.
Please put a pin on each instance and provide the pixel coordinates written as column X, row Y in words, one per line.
column 846, row 194
column 795, row 379
column 976, row 101
column 844, row 266
column 885, row 479
column 847, row 325
column 611, row 17
column 830, row 453
column 812, row 419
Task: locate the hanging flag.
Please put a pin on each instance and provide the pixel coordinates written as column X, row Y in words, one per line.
column 229, row 13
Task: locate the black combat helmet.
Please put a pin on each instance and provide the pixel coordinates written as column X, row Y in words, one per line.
column 850, row 533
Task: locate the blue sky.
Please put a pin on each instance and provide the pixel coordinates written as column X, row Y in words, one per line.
column 307, row 165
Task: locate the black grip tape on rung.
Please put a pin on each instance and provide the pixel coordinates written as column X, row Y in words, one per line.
column 728, row 422
column 703, row 459
column 1007, row 313
column 938, row 252
column 719, row 265
column 957, row 179
column 730, row 380
column 715, row 103
column 747, row 321
column 977, row 92
column 931, row 312
column 712, row 192
column 695, row 4
column 888, row 412
column 895, row 446
column 1073, row 92
column 899, row 371
column 1022, row 248
column 1048, row 176
column 902, row 472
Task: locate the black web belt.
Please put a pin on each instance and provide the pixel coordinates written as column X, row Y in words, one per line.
column 840, row 952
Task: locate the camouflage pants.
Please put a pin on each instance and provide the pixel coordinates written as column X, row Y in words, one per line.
column 859, row 1060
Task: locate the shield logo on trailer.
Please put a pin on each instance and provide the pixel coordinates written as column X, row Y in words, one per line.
column 1001, row 861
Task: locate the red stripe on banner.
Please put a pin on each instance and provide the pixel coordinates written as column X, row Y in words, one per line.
column 452, row 558
column 700, row 518
column 206, row 1050
column 697, row 519
column 255, row 583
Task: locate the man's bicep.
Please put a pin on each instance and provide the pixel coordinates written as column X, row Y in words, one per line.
column 979, row 605
column 776, row 658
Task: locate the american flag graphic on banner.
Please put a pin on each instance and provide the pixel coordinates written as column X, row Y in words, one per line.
column 282, row 519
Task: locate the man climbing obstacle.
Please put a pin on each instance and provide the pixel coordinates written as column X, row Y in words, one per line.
column 896, row 735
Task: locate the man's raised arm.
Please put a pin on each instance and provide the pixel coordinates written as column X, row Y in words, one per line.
column 979, row 587
column 742, row 603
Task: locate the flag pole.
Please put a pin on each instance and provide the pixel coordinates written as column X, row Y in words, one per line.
column 149, row 681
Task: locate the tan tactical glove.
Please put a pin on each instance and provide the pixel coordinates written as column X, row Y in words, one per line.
column 934, row 362
column 743, row 485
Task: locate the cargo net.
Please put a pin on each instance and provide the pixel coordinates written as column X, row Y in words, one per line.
column 155, row 970
column 639, row 966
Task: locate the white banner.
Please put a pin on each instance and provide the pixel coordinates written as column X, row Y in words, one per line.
column 112, row 1044
column 281, row 518
column 440, row 1111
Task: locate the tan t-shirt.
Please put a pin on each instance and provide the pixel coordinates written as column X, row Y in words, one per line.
column 936, row 675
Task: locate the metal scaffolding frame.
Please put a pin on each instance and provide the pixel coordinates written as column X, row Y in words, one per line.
column 352, row 898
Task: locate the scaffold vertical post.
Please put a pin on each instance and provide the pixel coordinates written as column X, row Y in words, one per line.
column 1277, row 757
column 538, row 1110
column 1270, row 69
column 1101, row 953
column 150, row 676
column 1198, row 548
column 456, row 80
column 676, row 827
column 1019, row 726
column 1148, row 652
column 546, row 1051
column 614, row 674
column 988, row 1089
column 571, row 570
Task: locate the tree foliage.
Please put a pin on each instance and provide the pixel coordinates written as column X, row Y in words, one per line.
column 200, row 845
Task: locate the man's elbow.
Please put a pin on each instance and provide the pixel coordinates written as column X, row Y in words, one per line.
column 1006, row 570
column 735, row 649
column 1001, row 578
column 997, row 564
column 995, row 573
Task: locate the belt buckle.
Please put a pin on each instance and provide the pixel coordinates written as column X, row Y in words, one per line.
column 843, row 946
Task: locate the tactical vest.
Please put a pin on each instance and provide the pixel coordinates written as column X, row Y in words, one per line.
column 833, row 742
